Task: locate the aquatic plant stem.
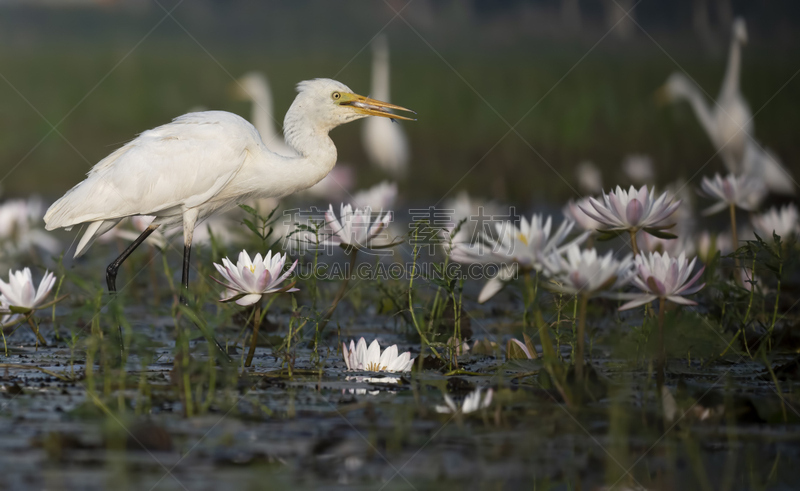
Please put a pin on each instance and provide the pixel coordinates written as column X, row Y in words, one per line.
column 424, row 339
column 40, row 339
column 662, row 355
column 777, row 297
column 254, row 337
column 735, row 240
column 584, row 300
column 635, row 248
column 352, row 253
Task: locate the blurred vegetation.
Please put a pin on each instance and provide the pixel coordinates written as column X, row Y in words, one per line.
column 470, row 73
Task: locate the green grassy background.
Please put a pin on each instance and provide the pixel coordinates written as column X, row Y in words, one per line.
column 59, row 63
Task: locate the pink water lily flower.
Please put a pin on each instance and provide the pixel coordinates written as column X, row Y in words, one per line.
column 361, row 358
column 586, row 272
column 660, row 276
column 21, row 292
column 574, row 211
column 632, row 209
column 783, row 222
column 248, row 280
column 743, row 191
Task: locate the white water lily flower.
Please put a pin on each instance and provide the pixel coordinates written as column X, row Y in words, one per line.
column 254, row 279
column 361, row 358
column 708, row 245
column 574, row 211
column 472, row 402
column 21, row 292
column 379, row 197
column 660, row 276
column 354, row 228
column 633, row 209
column 473, row 212
column 741, row 191
column 583, row 271
column 783, row 222
column 370, row 380
column 527, row 245
column 516, row 248
column 19, row 227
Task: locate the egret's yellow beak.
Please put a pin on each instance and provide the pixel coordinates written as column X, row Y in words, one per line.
column 372, row 107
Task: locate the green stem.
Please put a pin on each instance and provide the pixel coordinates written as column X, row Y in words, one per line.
column 424, row 339
column 635, row 248
column 584, row 300
column 39, row 338
column 342, row 290
column 777, row 297
column 735, row 241
column 662, row 355
column 254, row 338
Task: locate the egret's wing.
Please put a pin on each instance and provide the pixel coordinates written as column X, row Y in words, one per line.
column 181, row 164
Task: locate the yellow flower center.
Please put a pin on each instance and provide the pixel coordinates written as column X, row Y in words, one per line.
column 522, row 238
column 252, row 268
column 375, row 367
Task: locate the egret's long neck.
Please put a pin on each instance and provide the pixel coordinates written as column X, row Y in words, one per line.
column 730, row 84
column 692, row 94
column 380, row 73
column 317, row 153
column 262, row 112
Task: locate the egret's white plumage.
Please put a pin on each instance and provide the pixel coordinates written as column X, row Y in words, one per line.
column 729, row 121
column 385, row 142
column 201, row 163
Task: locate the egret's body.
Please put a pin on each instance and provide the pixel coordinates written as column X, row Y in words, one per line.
column 385, row 143
column 729, row 121
column 201, row 163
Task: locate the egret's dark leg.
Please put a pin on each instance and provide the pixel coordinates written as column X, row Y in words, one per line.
column 187, row 252
column 111, row 270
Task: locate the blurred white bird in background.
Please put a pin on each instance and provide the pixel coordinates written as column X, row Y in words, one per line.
column 254, row 87
column 729, row 122
column 202, row 163
column 385, row 143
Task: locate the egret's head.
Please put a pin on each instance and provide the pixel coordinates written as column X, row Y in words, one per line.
column 677, row 87
column 328, row 103
column 740, row 30
column 251, row 85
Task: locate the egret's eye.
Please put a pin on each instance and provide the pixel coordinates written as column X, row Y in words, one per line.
column 336, row 96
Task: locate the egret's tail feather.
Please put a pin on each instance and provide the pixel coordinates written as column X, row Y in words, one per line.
column 93, row 231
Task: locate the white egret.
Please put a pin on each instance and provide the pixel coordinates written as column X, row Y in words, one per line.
column 254, row 87
column 201, row 163
column 729, row 122
column 385, row 143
